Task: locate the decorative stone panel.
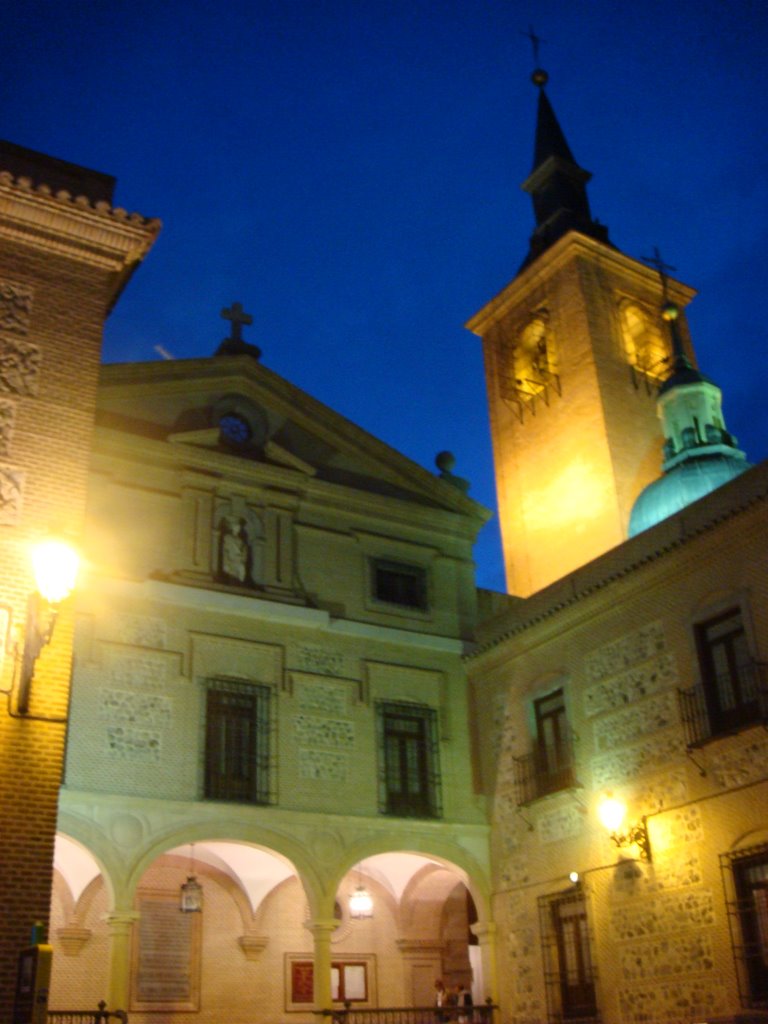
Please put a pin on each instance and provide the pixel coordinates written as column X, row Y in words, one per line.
column 658, row 673
column 626, row 765
column 324, row 732
column 674, row 830
column 623, row 727
column 320, row 698
column 739, row 766
column 677, row 868
column 323, row 764
column 140, row 630
column 310, row 658
column 11, row 494
column 561, row 823
column 668, row 790
column 15, row 307
column 660, row 915
column 635, row 647
column 142, row 671
column 7, row 424
column 673, row 1002
column 20, row 362
column 128, row 744
column 128, row 707
column 689, row 953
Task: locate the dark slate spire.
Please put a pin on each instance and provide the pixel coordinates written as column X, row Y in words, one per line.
column 557, row 185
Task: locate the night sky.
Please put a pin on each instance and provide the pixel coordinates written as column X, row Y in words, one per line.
column 349, row 170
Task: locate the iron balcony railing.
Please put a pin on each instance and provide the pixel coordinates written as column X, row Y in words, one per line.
column 544, row 770
column 724, row 704
column 480, row 1014
column 99, row 1016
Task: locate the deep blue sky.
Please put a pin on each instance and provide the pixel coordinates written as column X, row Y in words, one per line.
column 350, row 169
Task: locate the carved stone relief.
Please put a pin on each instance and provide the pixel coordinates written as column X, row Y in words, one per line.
column 15, row 307
column 11, row 494
column 239, row 543
column 20, row 362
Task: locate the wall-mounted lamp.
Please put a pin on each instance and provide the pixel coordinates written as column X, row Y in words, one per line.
column 54, row 564
column 612, row 813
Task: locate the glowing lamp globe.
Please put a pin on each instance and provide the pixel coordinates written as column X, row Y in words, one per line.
column 55, row 564
column 360, row 903
column 611, row 813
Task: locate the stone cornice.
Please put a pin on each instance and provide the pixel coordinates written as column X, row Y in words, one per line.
column 570, row 247
column 97, row 234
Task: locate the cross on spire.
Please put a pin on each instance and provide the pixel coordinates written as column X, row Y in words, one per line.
column 238, row 318
column 536, row 42
column 662, row 267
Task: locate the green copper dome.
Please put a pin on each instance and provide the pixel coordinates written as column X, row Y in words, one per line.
column 682, row 485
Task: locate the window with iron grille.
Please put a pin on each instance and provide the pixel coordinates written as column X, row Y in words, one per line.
column 237, row 742
column 399, row 583
column 568, row 970
column 746, row 881
column 409, row 777
column 729, row 676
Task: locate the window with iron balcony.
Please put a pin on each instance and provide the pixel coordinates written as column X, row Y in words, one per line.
column 549, row 767
column 732, row 693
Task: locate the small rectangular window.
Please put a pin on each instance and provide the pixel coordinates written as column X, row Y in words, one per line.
column 408, row 769
column 237, row 738
column 398, row 583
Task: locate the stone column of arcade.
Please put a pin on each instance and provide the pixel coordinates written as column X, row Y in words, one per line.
column 486, row 937
column 322, row 929
column 120, row 924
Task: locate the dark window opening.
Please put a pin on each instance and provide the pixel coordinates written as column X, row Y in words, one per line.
column 397, row 583
column 732, row 694
column 237, row 739
column 408, row 774
column 569, row 972
column 748, row 916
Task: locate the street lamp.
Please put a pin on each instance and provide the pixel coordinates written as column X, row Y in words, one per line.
column 612, row 813
column 54, row 565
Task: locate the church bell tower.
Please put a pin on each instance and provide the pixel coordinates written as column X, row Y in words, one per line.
column 575, row 350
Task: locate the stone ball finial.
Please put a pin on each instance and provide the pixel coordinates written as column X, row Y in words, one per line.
column 539, row 77
column 445, row 461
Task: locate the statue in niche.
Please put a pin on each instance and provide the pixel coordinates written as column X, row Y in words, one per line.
column 240, row 549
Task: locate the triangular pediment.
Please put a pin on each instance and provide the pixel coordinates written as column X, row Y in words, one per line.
column 233, row 408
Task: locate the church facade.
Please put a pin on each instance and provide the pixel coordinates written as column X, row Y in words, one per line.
column 309, row 763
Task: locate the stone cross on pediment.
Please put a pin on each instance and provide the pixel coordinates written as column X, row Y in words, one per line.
column 238, row 318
